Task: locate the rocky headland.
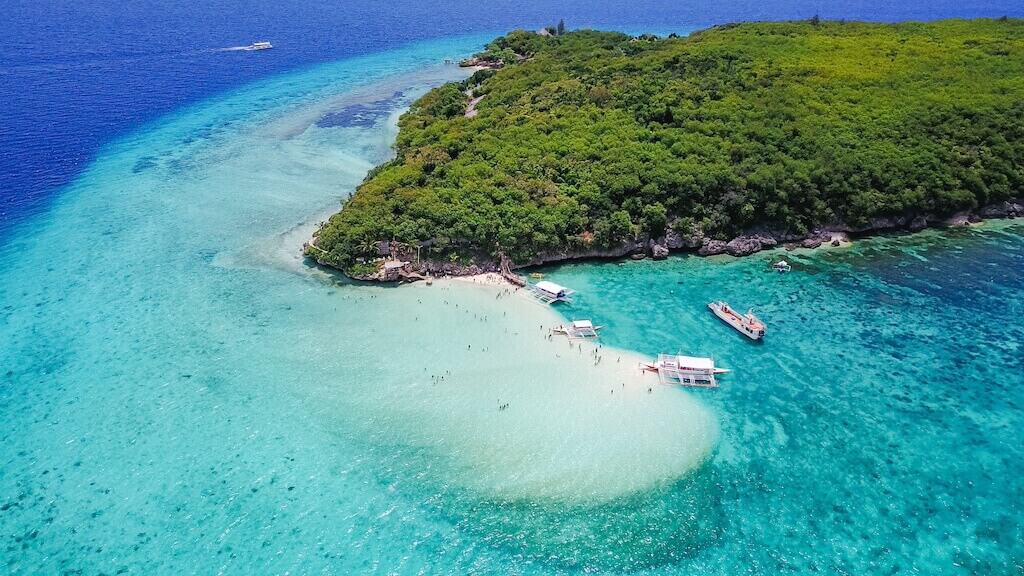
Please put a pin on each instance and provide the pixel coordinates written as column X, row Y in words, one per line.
column 398, row 263
column 585, row 144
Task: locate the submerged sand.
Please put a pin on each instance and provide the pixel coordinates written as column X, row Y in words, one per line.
column 462, row 372
column 512, row 412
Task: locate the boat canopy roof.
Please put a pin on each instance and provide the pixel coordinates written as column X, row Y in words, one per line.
column 550, row 288
column 695, row 362
column 582, row 324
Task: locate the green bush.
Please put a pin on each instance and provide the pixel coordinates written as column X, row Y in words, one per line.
column 362, row 269
column 597, row 137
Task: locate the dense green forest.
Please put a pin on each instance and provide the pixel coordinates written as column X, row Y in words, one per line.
column 588, row 139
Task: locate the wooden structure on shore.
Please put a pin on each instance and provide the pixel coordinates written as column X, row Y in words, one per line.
column 413, row 276
column 505, row 269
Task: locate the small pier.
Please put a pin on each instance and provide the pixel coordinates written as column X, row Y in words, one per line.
column 505, row 269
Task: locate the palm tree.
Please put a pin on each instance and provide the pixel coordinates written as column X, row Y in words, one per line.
column 367, row 246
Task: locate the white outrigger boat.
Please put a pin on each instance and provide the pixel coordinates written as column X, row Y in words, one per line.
column 781, row 266
column 747, row 324
column 550, row 293
column 685, row 370
column 577, row 329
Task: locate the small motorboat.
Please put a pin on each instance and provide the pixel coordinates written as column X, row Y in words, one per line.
column 747, row 324
column 781, row 266
column 577, row 329
column 259, row 46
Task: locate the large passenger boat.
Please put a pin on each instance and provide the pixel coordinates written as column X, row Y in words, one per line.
column 684, row 370
column 550, row 293
column 747, row 324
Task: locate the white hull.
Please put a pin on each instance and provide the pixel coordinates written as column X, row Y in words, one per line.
column 684, row 370
column 577, row 332
column 747, row 324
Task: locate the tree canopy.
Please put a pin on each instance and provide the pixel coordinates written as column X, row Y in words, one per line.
column 588, row 138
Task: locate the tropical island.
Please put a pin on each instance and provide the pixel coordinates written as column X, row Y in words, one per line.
column 734, row 139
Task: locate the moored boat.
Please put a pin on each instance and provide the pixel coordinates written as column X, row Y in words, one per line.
column 781, row 266
column 685, row 370
column 550, row 293
column 747, row 324
column 577, row 329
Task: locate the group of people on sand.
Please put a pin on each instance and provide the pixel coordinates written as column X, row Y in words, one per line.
column 435, row 378
column 506, row 292
column 549, row 335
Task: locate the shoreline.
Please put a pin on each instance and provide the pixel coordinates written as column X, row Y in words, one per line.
column 838, row 236
column 399, row 227
column 544, row 373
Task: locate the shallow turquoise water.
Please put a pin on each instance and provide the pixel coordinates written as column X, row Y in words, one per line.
column 878, row 427
column 182, row 394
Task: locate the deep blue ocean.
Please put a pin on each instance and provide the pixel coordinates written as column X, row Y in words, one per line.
column 181, row 393
column 74, row 75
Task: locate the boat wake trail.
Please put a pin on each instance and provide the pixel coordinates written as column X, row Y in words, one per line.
column 262, row 45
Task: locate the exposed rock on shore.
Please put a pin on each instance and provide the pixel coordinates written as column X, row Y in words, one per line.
column 450, row 269
column 676, row 241
column 712, row 247
column 401, row 265
column 621, row 251
column 478, row 62
column 1010, row 209
column 747, row 245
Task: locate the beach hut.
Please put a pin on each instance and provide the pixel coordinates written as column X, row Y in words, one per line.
column 549, row 292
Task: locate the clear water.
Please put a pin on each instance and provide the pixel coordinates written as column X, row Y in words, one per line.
column 182, row 394
column 877, row 428
column 75, row 75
